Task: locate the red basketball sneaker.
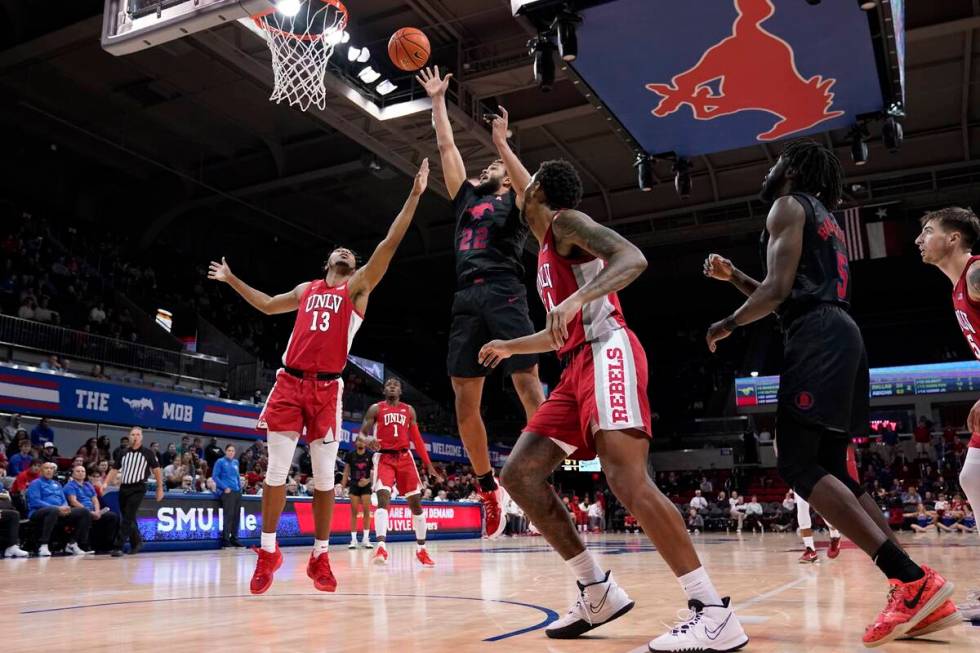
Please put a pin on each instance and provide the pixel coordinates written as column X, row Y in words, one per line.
column 944, row 616
column 809, row 556
column 908, row 604
column 380, row 556
column 423, row 556
column 491, row 508
column 265, row 569
column 834, row 549
column 318, row 569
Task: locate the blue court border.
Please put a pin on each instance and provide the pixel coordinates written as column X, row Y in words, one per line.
column 549, row 615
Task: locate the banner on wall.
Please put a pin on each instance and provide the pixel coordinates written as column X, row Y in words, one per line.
column 198, row 518
column 71, row 397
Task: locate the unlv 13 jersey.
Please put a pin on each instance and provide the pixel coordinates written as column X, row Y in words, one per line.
column 326, row 322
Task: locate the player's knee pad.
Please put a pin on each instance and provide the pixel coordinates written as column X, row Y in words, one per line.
column 282, row 446
column 970, row 476
column 803, row 519
column 323, row 455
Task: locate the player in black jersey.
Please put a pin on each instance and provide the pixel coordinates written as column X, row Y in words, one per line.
column 491, row 299
column 824, row 384
column 358, row 474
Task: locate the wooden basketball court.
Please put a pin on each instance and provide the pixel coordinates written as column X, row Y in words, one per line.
column 481, row 596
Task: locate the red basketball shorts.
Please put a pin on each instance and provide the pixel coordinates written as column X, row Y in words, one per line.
column 975, row 441
column 305, row 406
column 602, row 388
column 397, row 470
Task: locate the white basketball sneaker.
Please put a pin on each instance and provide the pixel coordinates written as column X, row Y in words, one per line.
column 709, row 628
column 971, row 608
column 597, row 604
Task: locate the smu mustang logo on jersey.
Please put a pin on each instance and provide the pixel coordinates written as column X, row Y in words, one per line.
column 478, row 211
column 750, row 70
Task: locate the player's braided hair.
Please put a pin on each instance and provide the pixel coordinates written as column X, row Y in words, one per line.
column 819, row 171
column 561, row 184
column 954, row 218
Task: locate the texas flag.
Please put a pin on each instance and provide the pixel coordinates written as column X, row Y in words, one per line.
column 871, row 233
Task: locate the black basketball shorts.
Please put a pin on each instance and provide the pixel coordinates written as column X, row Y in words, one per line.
column 495, row 309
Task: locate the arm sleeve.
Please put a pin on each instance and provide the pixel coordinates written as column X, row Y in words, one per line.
column 419, row 442
column 151, row 459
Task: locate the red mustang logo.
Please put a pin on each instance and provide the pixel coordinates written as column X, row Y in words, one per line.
column 478, row 211
column 755, row 71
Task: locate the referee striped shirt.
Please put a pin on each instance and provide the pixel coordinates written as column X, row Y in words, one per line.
column 134, row 465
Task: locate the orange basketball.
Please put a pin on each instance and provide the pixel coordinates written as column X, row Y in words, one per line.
column 409, row 48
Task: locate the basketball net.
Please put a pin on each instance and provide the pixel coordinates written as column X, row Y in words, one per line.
column 301, row 46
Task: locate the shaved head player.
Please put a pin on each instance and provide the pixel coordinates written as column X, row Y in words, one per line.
column 600, row 406
column 947, row 240
column 490, row 300
column 308, row 390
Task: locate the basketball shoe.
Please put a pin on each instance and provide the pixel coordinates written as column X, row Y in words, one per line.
column 265, row 569
column 380, row 556
column 908, row 604
column 809, row 556
column 971, row 609
column 423, row 556
column 597, row 604
column 704, row 628
column 834, row 550
column 318, row 569
column 944, row 616
column 492, row 509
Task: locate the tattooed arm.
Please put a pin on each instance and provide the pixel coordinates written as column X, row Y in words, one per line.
column 973, row 281
column 624, row 263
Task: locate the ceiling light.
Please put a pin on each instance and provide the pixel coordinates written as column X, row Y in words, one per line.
column 334, row 37
column 353, row 53
column 385, row 87
column 364, row 55
column 369, row 75
column 288, row 8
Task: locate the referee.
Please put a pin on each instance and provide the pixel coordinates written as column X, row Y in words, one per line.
column 133, row 466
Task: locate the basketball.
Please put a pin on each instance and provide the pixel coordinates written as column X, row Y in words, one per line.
column 409, row 48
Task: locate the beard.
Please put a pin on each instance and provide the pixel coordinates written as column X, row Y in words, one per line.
column 341, row 267
column 490, row 187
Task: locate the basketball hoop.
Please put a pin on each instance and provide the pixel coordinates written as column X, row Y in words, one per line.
column 301, row 46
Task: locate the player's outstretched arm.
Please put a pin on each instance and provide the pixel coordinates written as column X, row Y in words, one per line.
column 270, row 305
column 497, row 350
column 519, row 176
column 453, row 170
column 785, row 225
column 366, row 278
column 720, row 268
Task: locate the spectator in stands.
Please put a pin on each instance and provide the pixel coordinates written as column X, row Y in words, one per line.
column 22, row 459
column 42, row 433
column 212, row 453
column 82, row 494
column 186, row 484
column 515, row 516
column 441, row 496
column 47, row 507
column 89, row 452
column 122, row 448
column 52, row 364
column 737, row 509
column 698, row 502
column 228, row 486
column 4, row 482
column 753, row 514
column 695, row 522
column 10, row 528
column 722, row 502
column 97, row 315
column 175, row 472
column 168, row 456
column 922, row 438
column 104, row 445
column 596, row 516
column 48, row 453
column 922, row 520
column 786, row 516
column 292, row 487
column 911, row 496
column 185, row 444
column 26, row 310
column 707, row 487
column 197, row 448
column 98, row 372
column 43, row 312
column 12, row 426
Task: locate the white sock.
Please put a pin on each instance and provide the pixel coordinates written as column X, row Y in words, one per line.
column 699, row 587
column 353, row 537
column 418, row 523
column 381, row 522
column 585, row 568
column 808, row 542
column 320, row 546
column 834, row 534
column 367, row 535
column 268, row 542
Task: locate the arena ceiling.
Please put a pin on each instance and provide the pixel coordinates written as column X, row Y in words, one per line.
column 189, row 123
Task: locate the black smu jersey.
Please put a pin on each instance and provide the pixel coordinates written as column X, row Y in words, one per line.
column 360, row 465
column 823, row 275
column 490, row 234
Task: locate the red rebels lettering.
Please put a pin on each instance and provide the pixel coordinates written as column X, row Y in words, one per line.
column 615, row 386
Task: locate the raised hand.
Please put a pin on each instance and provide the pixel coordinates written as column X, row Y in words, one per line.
column 433, row 84
column 718, row 267
column 219, row 271
column 498, row 124
column 421, row 178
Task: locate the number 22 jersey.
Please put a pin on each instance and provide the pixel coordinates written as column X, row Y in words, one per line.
column 490, row 235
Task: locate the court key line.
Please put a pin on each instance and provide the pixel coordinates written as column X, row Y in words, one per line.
column 549, row 615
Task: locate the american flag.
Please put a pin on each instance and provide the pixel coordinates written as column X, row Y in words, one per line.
column 853, row 229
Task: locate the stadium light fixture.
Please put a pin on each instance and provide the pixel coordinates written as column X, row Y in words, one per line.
column 565, row 25
column 544, row 63
column 644, row 172
column 385, row 87
column 892, row 134
column 368, row 75
column 288, row 8
column 683, row 183
column 859, row 149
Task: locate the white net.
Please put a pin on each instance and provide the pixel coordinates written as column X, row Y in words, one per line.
column 301, row 46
